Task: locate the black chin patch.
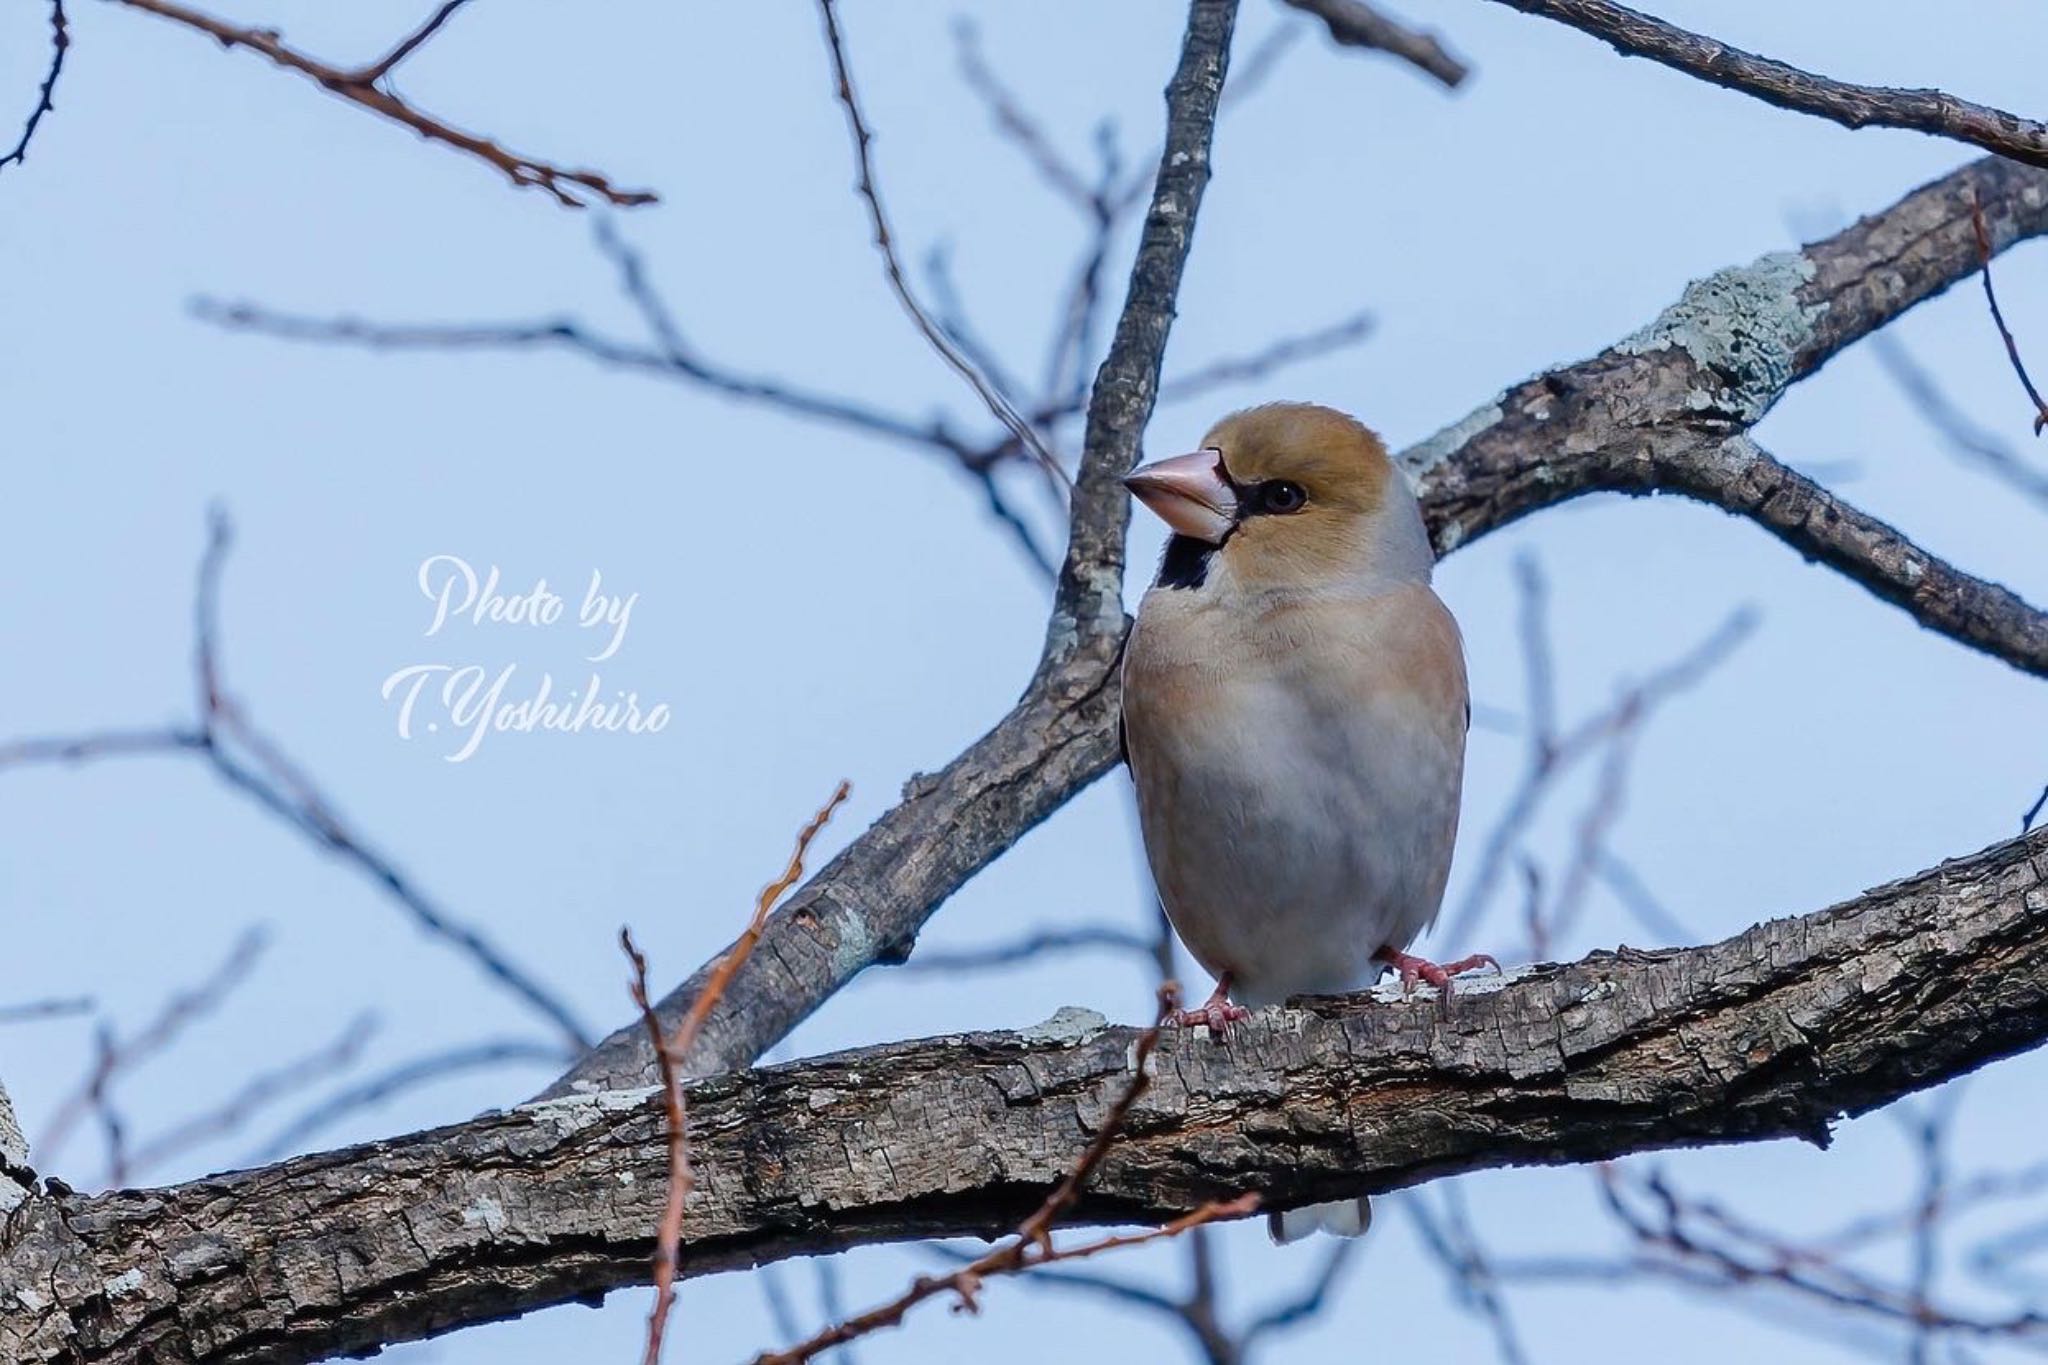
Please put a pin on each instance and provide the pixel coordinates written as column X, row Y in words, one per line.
column 1185, row 563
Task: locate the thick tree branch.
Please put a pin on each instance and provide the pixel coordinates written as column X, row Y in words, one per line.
column 1773, row 1033
column 1635, row 34
column 1656, row 411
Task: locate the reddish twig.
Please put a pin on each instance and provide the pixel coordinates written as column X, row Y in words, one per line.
column 681, row 1178
column 2012, row 347
column 60, row 42
column 899, row 284
column 1031, row 1245
column 569, row 188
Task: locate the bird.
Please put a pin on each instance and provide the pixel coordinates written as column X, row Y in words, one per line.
column 1294, row 717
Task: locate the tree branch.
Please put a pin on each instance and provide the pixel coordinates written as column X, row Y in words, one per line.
column 60, row 42
column 1634, row 34
column 867, row 904
column 1776, row 1032
column 1657, row 411
column 1353, row 23
column 570, row 188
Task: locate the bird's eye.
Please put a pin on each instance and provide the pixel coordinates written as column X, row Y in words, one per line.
column 1280, row 495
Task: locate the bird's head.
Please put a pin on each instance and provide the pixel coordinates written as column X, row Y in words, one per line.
column 1286, row 497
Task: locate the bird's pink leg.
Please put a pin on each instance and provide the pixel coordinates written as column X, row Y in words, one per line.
column 1439, row 975
column 1217, row 1011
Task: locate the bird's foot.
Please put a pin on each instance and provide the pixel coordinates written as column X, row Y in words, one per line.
column 1217, row 1012
column 1413, row 969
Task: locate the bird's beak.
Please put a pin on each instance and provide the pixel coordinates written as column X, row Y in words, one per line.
column 1188, row 493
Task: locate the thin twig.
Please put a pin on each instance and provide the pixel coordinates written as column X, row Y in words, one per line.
column 35, row 1010
column 381, row 68
column 1962, row 435
column 1028, row 948
column 570, row 188
column 1356, row 24
column 1017, row 126
column 1551, row 755
column 183, row 1008
column 681, row 1178
column 1937, row 112
column 258, row 1093
column 1454, row 1245
column 60, row 42
column 899, row 283
column 254, row 764
column 406, row 1076
column 2012, row 347
column 1259, row 364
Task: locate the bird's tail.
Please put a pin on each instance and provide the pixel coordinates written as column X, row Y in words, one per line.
column 1344, row 1218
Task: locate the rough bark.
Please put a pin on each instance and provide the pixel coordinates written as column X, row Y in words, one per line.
column 15, row 1177
column 1773, row 1033
column 1662, row 410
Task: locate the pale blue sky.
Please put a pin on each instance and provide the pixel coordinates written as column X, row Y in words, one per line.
column 816, row 605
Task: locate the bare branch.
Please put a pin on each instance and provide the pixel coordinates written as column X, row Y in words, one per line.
column 1550, row 757
column 1030, row 947
column 1353, row 23
column 258, row 1093
column 379, row 69
column 1776, row 1032
column 570, row 188
column 1634, row 34
column 252, row 763
column 1455, row 1247
column 899, row 283
column 398, row 1080
column 60, row 42
column 1261, row 363
column 1018, row 127
column 1088, row 612
column 35, row 1010
column 183, row 1008
column 2012, row 347
column 671, row 1049
column 1963, row 435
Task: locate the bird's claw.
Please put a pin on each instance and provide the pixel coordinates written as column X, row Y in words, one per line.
column 1413, row 969
column 1217, row 1013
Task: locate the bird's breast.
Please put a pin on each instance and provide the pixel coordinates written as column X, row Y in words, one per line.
column 1298, row 778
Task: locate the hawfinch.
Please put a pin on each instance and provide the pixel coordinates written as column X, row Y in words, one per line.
column 1294, row 718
